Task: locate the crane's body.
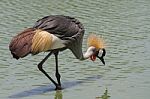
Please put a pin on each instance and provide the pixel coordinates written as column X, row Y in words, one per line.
column 52, row 34
column 68, row 29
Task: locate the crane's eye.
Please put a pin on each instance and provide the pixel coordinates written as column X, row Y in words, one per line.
column 100, row 53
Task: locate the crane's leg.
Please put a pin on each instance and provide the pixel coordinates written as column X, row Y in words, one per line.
column 57, row 71
column 40, row 66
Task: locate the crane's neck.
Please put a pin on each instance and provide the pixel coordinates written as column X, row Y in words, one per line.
column 90, row 51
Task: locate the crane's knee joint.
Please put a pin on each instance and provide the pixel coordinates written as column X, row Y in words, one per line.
column 57, row 75
column 40, row 67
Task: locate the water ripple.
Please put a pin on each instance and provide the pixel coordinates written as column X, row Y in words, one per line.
column 124, row 25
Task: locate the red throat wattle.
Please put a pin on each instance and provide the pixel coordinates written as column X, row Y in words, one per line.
column 93, row 57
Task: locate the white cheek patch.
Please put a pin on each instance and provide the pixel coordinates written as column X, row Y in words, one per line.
column 100, row 53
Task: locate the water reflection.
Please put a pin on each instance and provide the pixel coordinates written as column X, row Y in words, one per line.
column 58, row 95
column 104, row 96
column 51, row 87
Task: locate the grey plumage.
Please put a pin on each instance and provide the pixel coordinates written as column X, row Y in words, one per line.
column 69, row 29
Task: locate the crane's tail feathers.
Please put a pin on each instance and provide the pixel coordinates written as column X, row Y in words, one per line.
column 94, row 40
column 20, row 45
column 30, row 41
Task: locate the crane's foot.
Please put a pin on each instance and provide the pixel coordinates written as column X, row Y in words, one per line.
column 58, row 87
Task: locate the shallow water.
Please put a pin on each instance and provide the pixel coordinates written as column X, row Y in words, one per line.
column 125, row 27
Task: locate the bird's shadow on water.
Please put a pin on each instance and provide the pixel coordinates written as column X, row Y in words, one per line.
column 49, row 88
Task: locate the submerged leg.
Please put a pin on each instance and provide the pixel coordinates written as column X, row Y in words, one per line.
column 40, row 66
column 57, row 71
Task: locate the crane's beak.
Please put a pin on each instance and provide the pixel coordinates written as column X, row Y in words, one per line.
column 102, row 59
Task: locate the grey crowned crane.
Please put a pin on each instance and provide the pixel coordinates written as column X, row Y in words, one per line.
column 53, row 34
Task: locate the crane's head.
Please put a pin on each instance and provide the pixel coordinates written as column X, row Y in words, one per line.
column 98, row 48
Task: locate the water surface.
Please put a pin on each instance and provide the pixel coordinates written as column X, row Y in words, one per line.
column 125, row 27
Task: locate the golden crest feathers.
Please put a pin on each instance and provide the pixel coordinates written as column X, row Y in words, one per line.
column 96, row 41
